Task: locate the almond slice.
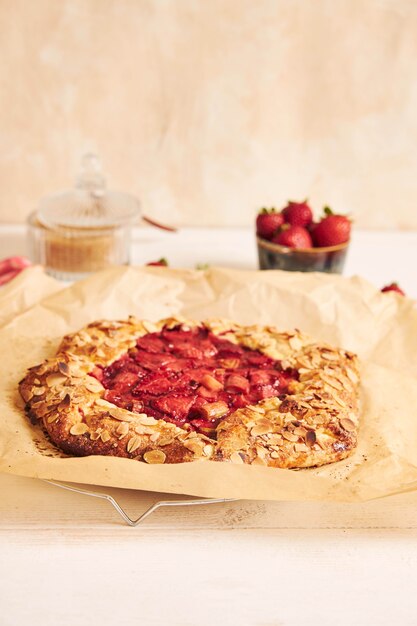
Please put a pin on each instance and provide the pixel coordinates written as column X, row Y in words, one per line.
column 154, row 457
column 133, row 443
column 289, row 436
column 208, row 450
column 63, row 368
column 102, row 402
column 120, row 414
column 311, row 437
column 55, row 379
column 122, row 429
column 146, row 420
column 261, row 429
column 79, row 429
column 93, row 385
column 105, row 436
column 347, row 424
column 259, row 461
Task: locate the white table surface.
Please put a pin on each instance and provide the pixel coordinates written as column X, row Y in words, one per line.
column 68, row 559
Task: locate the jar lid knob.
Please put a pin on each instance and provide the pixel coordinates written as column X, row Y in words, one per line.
column 91, row 177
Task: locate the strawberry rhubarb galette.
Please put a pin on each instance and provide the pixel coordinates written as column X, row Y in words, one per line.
column 176, row 391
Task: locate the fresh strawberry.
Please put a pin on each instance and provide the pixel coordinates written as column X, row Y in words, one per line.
column 311, row 228
column 11, row 267
column 161, row 263
column 332, row 230
column 268, row 222
column 293, row 237
column 393, row 287
column 14, row 263
column 6, row 277
column 298, row 213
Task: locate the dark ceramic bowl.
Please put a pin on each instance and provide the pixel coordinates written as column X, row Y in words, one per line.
column 272, row 256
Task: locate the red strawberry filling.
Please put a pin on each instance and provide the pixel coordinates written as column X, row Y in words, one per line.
column 191, row 377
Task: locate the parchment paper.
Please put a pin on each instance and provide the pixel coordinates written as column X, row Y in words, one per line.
column 381, row 328
column 24, row 291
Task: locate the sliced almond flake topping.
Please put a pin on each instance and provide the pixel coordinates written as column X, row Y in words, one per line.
column 120, row 414
column 236, row 458
column 77, row 398
column 84, row 336
column 165, row 440
column 146, row 420
column 79, row 429
column 94, row 436
column 26, row 394
column 63, row 368
column 133, row 443
column 93, row 385
column 65, row 402
column 333, row 382
column 339, row 401
column 311, row 437
column 300, row 431
column 150, row 327
column 194, row 446
column 295, row 343
column 105, row 436
column 55, row 379
column 143, row 430
column 274, row 439
column 274, row 454
column 100, row 353
column 101, row 402
column 261, row 429
column 38, row 391
column 330, row 356
column 52, row 418
column 261, row 451
column 289, row 436
column 259, row 461
column 154, row 437
column 352, row 375
column 257, row 409
column 208, row 450
column 122, row 429
column 347, row 424
column 154, row 457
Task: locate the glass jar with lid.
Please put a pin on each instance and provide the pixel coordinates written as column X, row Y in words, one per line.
column 85, row 229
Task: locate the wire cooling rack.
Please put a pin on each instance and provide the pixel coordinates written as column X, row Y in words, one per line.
column 154, row 507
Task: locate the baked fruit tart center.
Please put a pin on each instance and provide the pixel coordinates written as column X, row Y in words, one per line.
column 191, row 376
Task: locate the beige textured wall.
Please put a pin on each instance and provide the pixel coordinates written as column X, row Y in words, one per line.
column 210, row 108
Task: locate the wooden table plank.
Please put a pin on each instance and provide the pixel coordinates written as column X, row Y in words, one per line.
column 30, row 504
column 279, row 577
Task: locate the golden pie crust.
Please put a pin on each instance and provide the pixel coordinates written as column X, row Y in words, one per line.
column 314, row 424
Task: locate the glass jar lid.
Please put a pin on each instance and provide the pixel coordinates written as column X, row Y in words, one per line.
column 89, row 205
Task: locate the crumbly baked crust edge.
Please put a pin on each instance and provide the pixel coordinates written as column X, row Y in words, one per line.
column 314, row 425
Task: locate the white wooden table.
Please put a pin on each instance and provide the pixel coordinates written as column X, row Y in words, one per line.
column 68, row 559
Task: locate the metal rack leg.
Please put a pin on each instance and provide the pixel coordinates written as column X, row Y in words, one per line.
column 149, row 511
